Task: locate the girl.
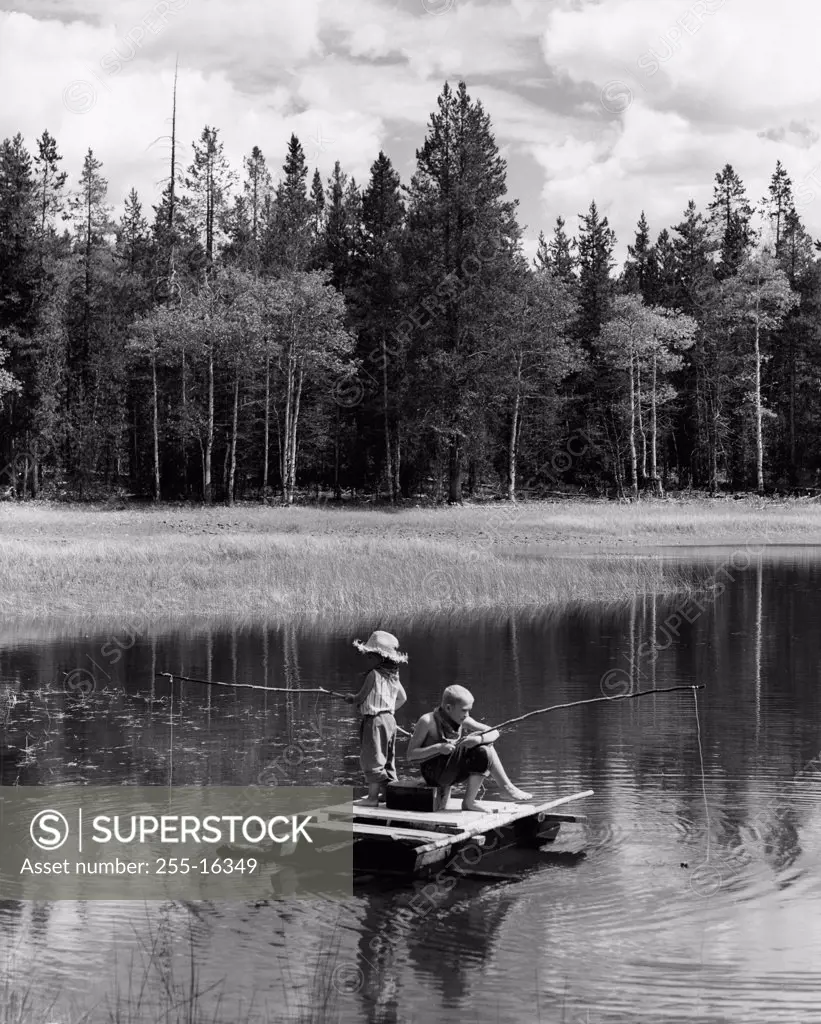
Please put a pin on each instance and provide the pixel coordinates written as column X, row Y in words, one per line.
column 380, row 696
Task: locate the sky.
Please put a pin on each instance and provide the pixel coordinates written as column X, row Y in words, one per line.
column 636, row 104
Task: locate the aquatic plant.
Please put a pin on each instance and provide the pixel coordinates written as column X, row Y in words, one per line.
column 339, row 566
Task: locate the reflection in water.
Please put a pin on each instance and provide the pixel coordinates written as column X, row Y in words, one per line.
column 759, row 604
column 415, row 939
column 630, row 932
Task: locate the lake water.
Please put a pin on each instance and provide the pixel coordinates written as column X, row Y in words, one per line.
column 680, row 909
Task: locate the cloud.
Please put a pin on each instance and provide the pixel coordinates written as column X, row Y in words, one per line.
column 672, row 92
column 101, row 85
column 797, row 133
column 731, row 54
column 634, row 104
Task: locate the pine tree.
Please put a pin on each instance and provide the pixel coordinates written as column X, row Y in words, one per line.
column 796, row 249
column 91, row 218
column 178, row 255
column 353, row 225
column 779, row 205
column 462, row 236
column 50, row 182
column 96, row 354
column 269, row 260
column 335, row 248
column 208, row 183
column 257, row 192
column 375, row 301
column 563, row 262
column 596, row 244
column 135, row 294
column 169, row 224
column 343, row 225
column 797, row 366
column 18, row 227
column 556, row 256
column 317, row 205
column 542, row 259
column 132, row 234
column 731, row 214
column 793, row 349
column 291, row 246
column 19, row 286
column 696, row 295
column 239, row 250
column 48, row 378
column 664, row 283
column 639, row 275
column 692, row 253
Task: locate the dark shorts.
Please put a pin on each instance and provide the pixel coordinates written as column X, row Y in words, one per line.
column 450, row 769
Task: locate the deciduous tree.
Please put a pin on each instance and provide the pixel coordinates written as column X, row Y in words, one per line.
column 756, row 300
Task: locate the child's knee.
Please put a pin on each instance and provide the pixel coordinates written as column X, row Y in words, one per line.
column 479, row 760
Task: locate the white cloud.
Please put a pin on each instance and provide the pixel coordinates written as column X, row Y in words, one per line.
column 87, row 95
column 710, row 82
column 742, row 57
column 676, row 91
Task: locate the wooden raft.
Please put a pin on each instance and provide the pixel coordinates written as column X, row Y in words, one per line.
column 402, row 842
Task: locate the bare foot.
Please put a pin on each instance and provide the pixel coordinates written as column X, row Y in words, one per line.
column 440, row 800
column 518, row 795
column 473, row 807
column 368, row 801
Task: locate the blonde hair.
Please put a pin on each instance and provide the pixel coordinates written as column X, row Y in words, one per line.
column 456, row 695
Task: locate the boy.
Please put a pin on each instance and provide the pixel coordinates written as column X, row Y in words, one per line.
column 381, row 694
column 446, row 745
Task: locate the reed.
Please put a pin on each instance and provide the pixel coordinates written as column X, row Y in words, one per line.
column 20, row 1000
column 151, row 987
column 562, row 524
column 88, row 566
column 265, row 577
column 163, row 989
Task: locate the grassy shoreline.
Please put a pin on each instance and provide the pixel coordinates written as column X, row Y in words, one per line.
column 95, row 565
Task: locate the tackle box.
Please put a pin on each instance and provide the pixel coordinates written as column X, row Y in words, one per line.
column 410, row 795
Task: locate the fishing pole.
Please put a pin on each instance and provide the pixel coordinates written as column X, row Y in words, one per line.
column 268, row 689
column 577, row 703
column 254, row 686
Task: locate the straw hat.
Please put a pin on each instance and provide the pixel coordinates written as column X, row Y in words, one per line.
column 382, row 643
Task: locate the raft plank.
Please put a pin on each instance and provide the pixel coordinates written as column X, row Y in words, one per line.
column 453, row 819
column 382, row 831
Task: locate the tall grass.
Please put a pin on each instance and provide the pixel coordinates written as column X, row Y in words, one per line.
column 256, row 564
column 22, row 1006
column 561, row 523
column 153, row 988
column 156, row 991
column 266, row 577
column 22, row 1003
column 322, row 1003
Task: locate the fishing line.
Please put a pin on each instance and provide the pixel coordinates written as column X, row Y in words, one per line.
column 171, row 735
column 703, row 781
column 578, row 703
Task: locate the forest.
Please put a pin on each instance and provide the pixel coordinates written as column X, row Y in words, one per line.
column 277, row 338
